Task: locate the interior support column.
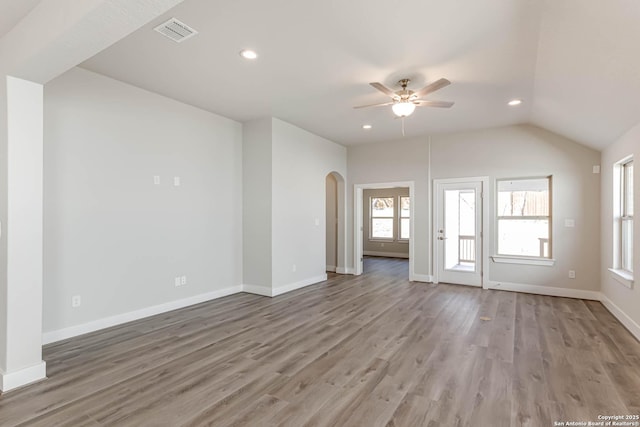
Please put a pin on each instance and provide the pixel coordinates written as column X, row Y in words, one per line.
column 21, row 356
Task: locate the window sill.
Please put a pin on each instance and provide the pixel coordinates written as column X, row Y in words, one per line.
column 623, row 277
column 504, row 259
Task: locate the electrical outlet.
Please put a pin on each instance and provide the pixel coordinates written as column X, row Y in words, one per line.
column 176, row 181
column 572, row 274
column 76, row 301
column 183, row 280
column 177, row 281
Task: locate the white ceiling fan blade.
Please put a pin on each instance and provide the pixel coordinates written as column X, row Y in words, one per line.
column 437, row 85
column 439, row 104
column 382, row 88
column 375, row 105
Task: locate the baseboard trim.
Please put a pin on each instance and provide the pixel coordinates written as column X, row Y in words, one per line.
column 622, row 317
column 331, row 268
column 264, row 291
column 274, row 292
column 107, row 322
column 298, row 285
column 386, row 254
column 345, row 270
column 13, row 380
column 545, row 290
column 426, row 278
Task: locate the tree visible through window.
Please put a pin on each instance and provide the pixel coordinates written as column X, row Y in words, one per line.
column 405, row 217
column 524, row 226
column 382, row 213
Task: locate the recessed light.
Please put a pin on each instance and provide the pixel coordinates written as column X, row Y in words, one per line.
column 248, row 54
column 366, row 127
column 515, row 102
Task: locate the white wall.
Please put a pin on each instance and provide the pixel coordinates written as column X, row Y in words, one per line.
column 624, row 302
column 256, row 195
column 526, row 151
column 53, row 37
column 111, row 235
column 396, row 161
column 24, row 263
column 301, row 162
column 514, row 151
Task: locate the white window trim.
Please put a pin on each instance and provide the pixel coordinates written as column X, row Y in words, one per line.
column 400, row 218
column 511, row 259
column 624, row 277
column 525, row 260
column 392, row 218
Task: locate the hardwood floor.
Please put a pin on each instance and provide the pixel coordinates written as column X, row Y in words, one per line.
column 372, row 350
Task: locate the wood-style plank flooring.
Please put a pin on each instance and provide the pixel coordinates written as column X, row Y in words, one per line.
column 372, row 350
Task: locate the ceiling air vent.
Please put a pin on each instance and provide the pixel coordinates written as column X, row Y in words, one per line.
column 176, row 30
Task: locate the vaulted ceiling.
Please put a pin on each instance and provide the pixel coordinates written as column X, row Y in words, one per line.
column 12, row 11
column 574, row 63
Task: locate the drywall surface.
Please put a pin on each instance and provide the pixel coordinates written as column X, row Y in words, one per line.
column 626, row 299
column 529, row 151
column 506, row 152
column 381, row 248
column 301, row 162
column 256, row 205
column 396, row 161
column 24, row 263
column 111, row 235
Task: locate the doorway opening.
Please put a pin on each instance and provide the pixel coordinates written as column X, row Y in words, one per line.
column 383, row 222
column 460, row 218
column 386, row 223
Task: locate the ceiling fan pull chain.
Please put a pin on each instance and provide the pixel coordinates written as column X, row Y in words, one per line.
column 402, row 126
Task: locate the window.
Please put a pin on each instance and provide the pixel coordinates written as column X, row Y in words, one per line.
column 390, row 218
column 405, row 217
column 524, row 217
column 382, row 215
column 626, row 216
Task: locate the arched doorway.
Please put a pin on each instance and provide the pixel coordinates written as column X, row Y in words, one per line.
column 335, row 223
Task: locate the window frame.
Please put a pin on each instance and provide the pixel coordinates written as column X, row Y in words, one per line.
column 525, row 259
column 372, row 217
column 626, row 218
column 622, row 192
column 400, row 218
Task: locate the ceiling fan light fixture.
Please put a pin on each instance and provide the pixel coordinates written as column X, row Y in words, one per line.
column 403, row 108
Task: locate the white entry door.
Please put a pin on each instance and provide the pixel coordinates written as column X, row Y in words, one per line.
column 458, row 231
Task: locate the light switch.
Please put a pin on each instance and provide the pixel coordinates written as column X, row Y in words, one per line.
column 156, row 179
column 596, row 168
column 176, row 181
column 569, row 223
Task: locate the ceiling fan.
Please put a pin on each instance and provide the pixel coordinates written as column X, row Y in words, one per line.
column 404, row 101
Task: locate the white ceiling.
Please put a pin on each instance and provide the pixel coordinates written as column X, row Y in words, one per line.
column 12, row 11
column 574, row 63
